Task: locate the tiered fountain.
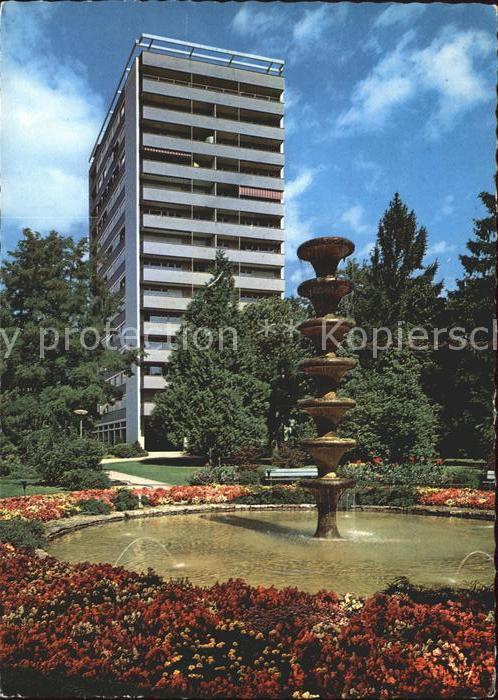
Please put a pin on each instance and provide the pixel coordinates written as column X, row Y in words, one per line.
column 326, row 331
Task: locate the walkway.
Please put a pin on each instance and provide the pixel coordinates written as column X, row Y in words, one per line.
column 131, row 480
column 151, row 455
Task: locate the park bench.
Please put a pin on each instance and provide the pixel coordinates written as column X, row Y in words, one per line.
column 289, row 475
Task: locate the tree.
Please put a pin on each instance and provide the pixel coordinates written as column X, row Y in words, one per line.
column 212, row 400
column 396, row 285
column 51, row 293
column 464, row 380
column 272, row 349
column 393, row 418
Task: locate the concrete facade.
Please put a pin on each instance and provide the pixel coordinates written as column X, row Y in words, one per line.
column 190, row 159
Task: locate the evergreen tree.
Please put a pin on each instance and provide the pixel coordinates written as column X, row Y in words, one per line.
column 50, row 293
column 397, row 286
column 464, row 380
column 272, row 348
column 212, row 400
column 393, row 418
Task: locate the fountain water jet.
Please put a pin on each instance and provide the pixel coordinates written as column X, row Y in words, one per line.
column 326, row 331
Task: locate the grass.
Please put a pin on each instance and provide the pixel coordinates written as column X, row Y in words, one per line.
column 156, row 472
column 8, row 489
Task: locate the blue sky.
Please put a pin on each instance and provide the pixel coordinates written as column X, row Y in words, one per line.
column 380, row 98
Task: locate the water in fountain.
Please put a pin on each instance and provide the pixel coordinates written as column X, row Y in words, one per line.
column 326, row 331
column 175, row 565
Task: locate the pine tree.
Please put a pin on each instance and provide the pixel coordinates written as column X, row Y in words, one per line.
column 398, row 286
column 212, row 401
column 465, row 377
column 51, row 291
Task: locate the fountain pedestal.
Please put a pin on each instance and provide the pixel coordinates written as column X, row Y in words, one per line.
column 326, row 331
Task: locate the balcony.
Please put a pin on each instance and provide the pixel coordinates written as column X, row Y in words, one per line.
column 147, row 408
column 156, row 221
column 211, row 149
column 157, row 301
column 153, row 382
column 212, row 94
column 168, row 328
column 157, row 246
column 165, row 195
column 157, row 355
column 154, row 167
column 197, row 279
column 172, row 116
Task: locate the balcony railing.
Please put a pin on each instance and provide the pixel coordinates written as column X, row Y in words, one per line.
column 212, row 88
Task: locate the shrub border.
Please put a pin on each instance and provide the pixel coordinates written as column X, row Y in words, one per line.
column 59, row 528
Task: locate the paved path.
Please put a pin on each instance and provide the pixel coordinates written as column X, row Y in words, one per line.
column 151, row 455
column 134, row 480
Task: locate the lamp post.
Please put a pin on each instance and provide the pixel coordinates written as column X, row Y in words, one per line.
column 81, row 412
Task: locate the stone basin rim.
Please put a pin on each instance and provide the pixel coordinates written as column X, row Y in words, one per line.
column 323, row 320
column 325, row 403
column 304, row 250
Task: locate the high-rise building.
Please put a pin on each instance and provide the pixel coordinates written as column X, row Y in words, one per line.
column 189, row 159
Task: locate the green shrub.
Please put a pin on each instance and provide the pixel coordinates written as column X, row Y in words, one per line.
column 92, row 506
column 22, row 533
column 402, row 496
column 290, row 458
column 125, row 450
column 126, row 500
column 228, row 474
column 247, row 457
column 276, row 494
column 9, row 456
column 466, row 477
column 82, row 479
column 417, row 474
column 51, row 454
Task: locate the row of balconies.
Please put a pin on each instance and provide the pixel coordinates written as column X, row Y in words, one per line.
column 159, row 140
column 233, row 177
column 198, row 279
column 161, row 247
column 166, row 195
column 194, row 90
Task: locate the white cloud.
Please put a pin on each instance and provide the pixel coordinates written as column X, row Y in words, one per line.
column 440, row 247
column 298, row 228
column 50, row 119
column 312, row 24
column 354, row 217
column 252, row 22
column 448, row 206
column 372, row 172
column 448, row 69
column 399, row 14
column 295, row 37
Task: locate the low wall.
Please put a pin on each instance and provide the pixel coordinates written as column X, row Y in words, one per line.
column 58, row 528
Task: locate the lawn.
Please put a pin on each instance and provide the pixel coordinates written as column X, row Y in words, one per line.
column 156, row 472
column 8, row 489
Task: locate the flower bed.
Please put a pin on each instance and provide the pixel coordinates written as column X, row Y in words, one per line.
column 96, row 622
column 57, row 506
column 461, row 498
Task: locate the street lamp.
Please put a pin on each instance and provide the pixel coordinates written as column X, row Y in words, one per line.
column 81, row 413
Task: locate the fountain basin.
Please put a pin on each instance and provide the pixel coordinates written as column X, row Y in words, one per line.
column 326, row 412
column 276, row 548
column 325, row 293
column 325, row 253
column 328, row 367
column 327, row 451
column 326, row 332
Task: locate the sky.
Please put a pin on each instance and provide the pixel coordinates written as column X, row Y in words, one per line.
column 379, row 98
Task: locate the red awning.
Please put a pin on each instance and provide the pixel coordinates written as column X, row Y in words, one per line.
column 258, row 193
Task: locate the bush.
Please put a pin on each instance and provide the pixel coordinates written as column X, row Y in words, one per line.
column 247, row 457
column 126, row 450
column 126, row 500
column 224, row 475
column 290, row 458
column 82, row 479
column 419, row 473
column 22, row 533
column 276, row 494
column 9, row 457
column 92, row 506
column 402, row 496
column 52, row 454
column 463, row 476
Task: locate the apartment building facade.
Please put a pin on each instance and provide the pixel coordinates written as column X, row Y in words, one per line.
column 189, row 160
